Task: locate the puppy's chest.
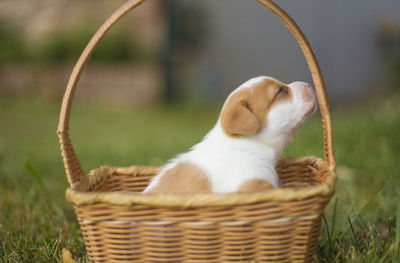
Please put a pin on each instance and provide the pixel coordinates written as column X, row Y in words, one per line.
column 233, row 177
column 227, row 170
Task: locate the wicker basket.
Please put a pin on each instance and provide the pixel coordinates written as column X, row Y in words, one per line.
column 120, row 225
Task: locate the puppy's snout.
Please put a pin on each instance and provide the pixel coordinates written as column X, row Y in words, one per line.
column 300, row 84
column 305, row 91
column 304, row 84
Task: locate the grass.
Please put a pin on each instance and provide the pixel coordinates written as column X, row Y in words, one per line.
column 36, row 222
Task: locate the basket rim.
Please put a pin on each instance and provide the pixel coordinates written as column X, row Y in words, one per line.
column 78, row 196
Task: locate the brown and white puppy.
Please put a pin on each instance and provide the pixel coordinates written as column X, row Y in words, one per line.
column 239, row 154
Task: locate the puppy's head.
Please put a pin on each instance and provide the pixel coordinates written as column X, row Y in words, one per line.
column 266, row 107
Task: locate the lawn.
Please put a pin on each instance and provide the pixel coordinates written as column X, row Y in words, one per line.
column 36, row 222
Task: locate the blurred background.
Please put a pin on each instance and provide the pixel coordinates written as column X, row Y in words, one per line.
column 155, row 85
column 172, row 49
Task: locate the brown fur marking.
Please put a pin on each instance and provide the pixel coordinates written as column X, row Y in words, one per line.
column 246, row 111
column 183, row 178
column 255, row 185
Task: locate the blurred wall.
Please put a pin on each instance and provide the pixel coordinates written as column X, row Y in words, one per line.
column 247, row 40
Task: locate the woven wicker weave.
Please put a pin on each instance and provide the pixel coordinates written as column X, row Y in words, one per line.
column 120, row 225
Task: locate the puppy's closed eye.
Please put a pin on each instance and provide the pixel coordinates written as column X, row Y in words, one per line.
column 281, row 92
column 281, row 89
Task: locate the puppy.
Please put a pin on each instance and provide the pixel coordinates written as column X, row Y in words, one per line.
column 240, row 153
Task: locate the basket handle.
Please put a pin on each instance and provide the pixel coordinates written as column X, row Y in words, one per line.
column 316, row 75
column 72, row 165
column 73, row 168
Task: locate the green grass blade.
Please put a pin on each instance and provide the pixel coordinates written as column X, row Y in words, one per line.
column 354, row 235
column 34, row 173
column 334, row 217
column 378, row 245
column 327, row 230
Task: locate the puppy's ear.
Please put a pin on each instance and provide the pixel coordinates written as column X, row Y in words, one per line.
column 238, row 119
